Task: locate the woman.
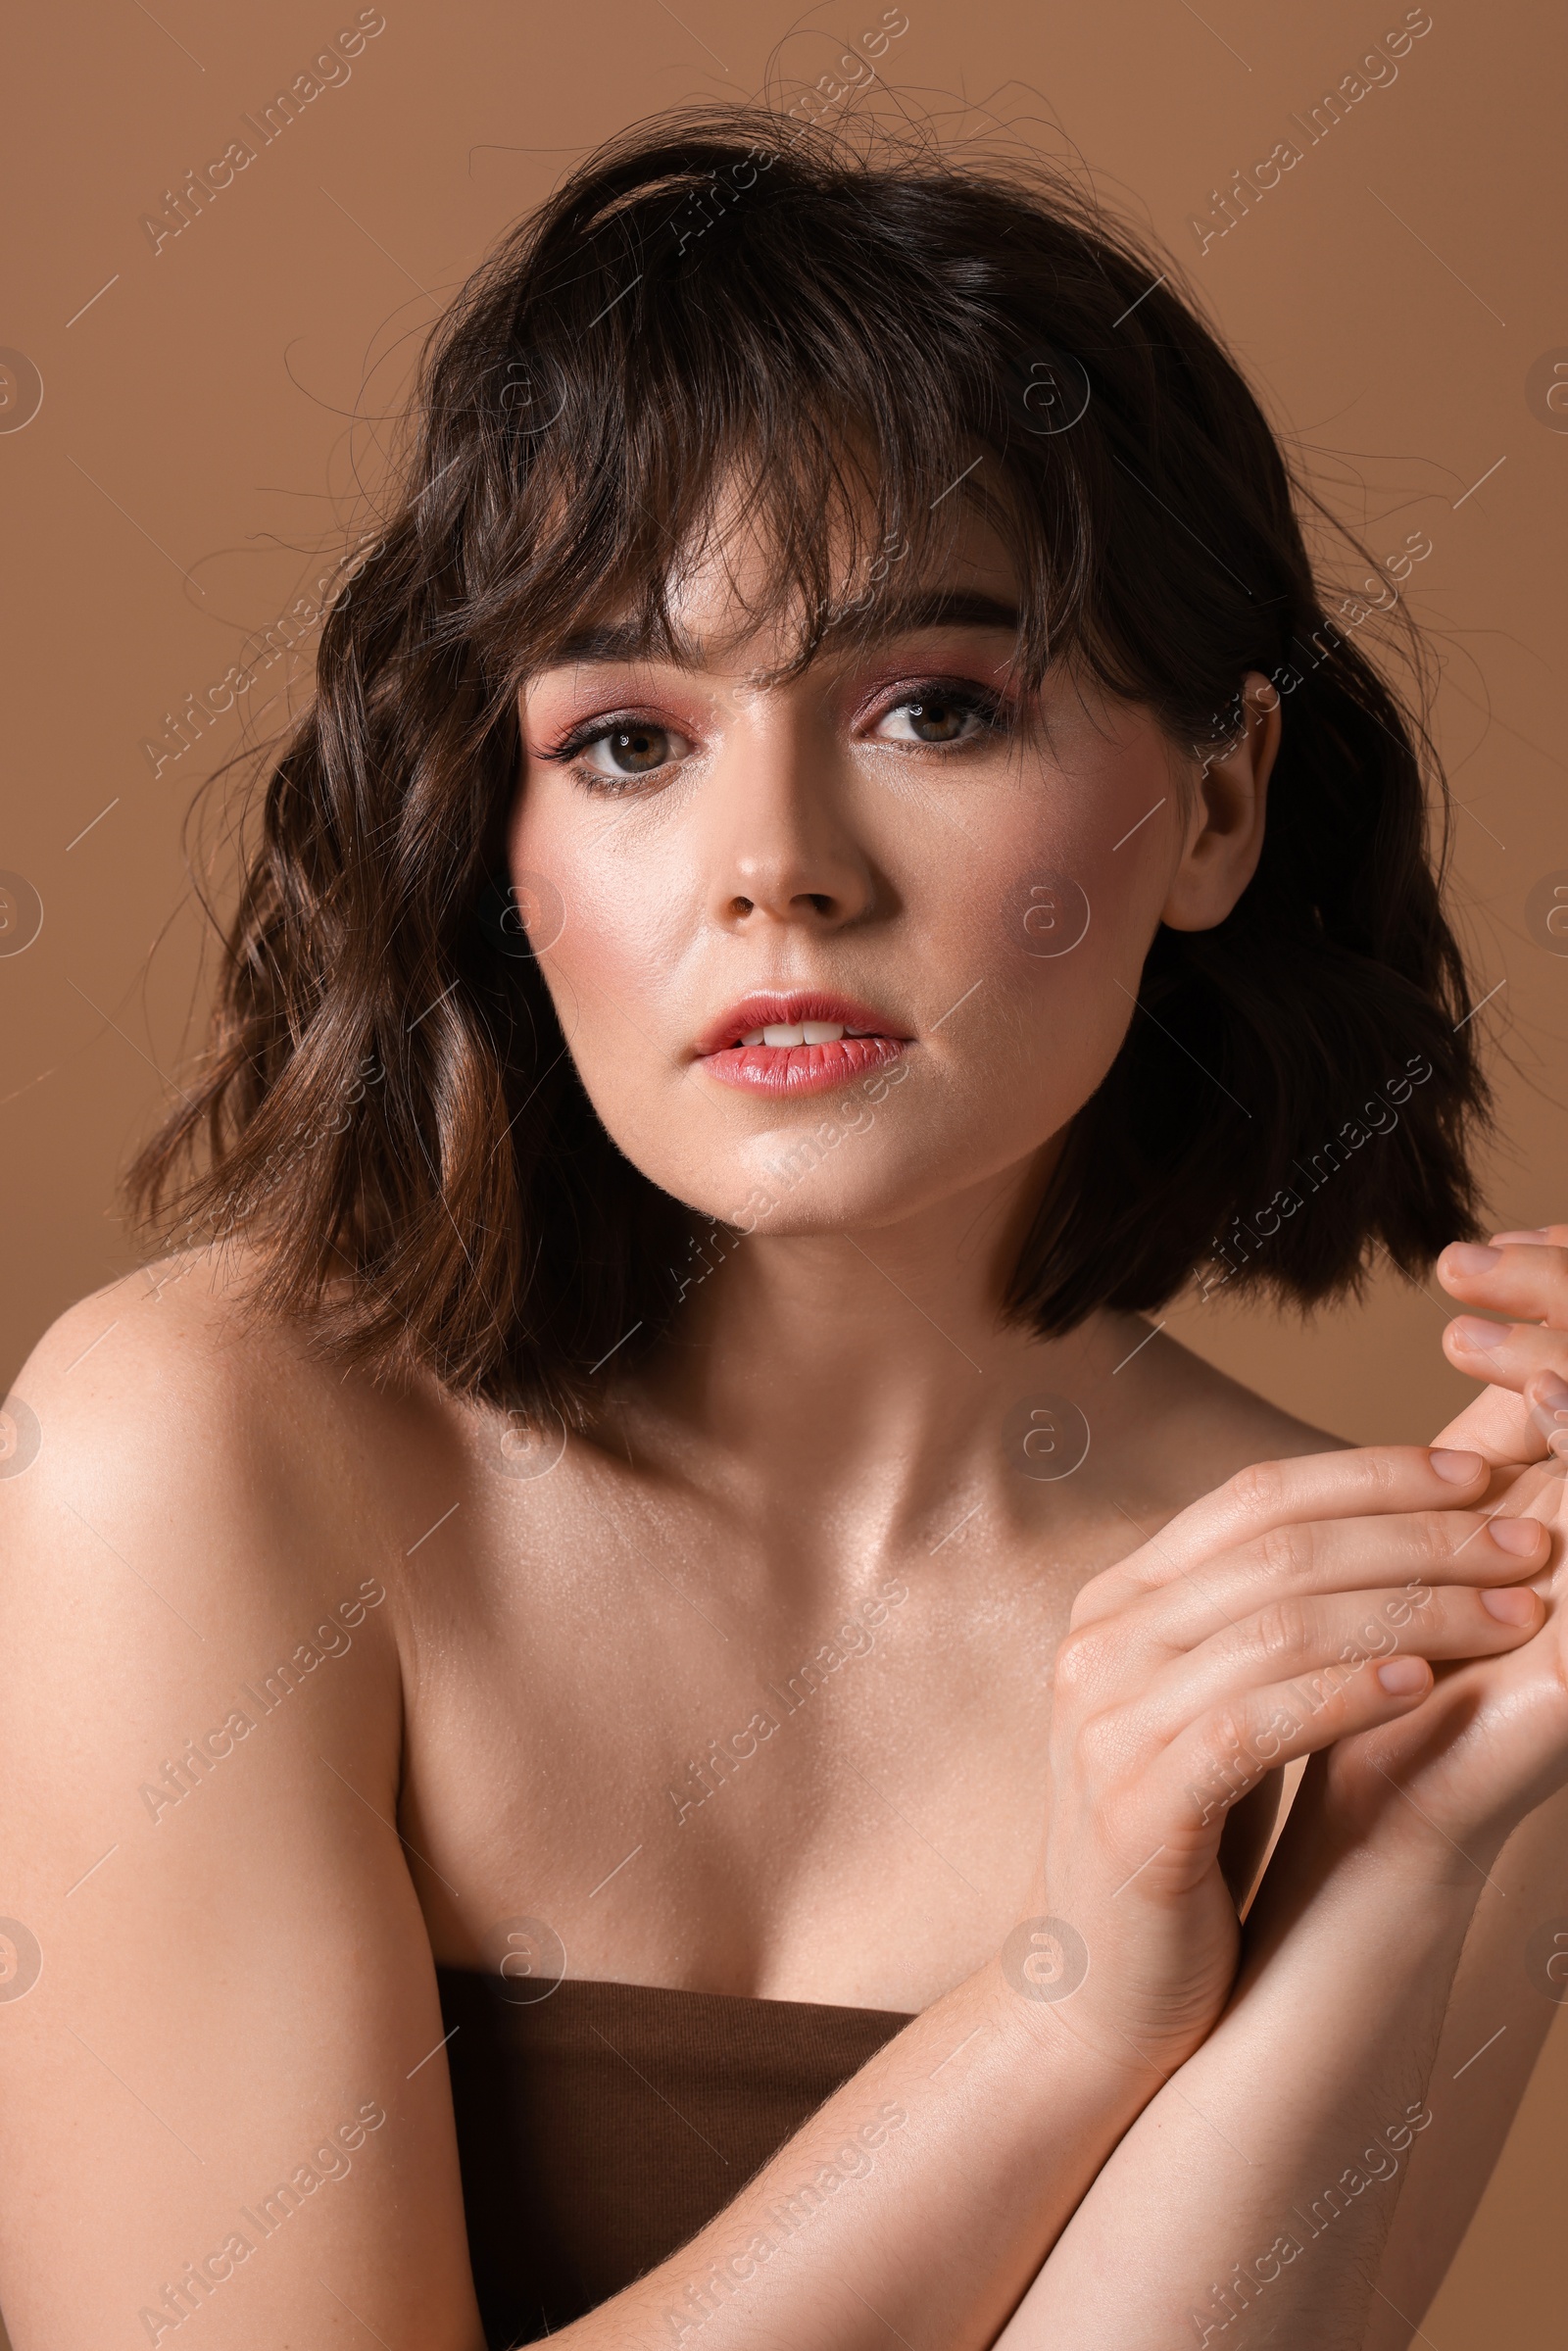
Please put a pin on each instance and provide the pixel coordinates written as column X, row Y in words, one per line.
column 638, row 1701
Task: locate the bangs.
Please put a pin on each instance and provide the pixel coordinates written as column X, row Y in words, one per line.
column 801, row 365
column 726, row 327
column 848, row 552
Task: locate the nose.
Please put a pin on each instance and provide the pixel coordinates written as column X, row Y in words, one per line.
column 784, row 847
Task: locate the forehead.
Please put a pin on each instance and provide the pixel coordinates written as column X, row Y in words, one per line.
column 731, row 593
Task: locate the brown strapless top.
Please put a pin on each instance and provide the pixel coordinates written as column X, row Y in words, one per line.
column 600, row 2128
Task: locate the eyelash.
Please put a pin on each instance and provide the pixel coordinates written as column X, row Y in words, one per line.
column 991, row 708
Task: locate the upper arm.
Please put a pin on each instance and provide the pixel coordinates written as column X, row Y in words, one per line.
column 222, row 1977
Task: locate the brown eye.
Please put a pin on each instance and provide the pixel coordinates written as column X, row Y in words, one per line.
column 937, row 715
column 937, row 720
column 632, row 749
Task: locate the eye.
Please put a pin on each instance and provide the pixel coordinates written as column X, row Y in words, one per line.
column 631, row 750
column 621, row 750
column 936, row 714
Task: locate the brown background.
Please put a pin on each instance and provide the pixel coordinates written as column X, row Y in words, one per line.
column 212, row 412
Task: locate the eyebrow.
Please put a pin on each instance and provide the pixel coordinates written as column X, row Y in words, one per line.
column 937, row 607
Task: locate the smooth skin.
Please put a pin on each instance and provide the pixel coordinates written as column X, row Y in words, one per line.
column 1385, row 1984
column 231, row 1976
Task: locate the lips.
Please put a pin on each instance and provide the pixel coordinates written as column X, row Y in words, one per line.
column 804, row 1042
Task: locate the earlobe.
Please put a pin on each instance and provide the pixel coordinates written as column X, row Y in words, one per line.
column 1228, row 808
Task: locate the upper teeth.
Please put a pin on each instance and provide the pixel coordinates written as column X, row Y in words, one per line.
column 801, row 1032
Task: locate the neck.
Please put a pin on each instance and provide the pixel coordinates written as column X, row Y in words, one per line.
column 866, row 1375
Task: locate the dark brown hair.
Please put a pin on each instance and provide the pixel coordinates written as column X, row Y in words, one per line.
column 839, row 325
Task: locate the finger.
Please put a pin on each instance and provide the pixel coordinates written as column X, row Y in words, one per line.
column 1349, row 1484
column 1503, row 1354
column 1495, row 1425
column 1525, row 1279
column 1109, row 1653
column 1498, row 1424
column 1330, row 1556
column 1217, row 1761
column 1546, row 1394
column 1297, row 1640
column 1512, row 1710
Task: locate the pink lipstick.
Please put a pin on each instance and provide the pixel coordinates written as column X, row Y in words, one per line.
column 801, row 1041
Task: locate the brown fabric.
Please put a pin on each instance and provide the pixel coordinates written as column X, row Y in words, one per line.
column 600, row 2128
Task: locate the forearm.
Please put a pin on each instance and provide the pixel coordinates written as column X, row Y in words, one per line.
column 1251, row 2200
column 1503, row 2002
column 922, row 2197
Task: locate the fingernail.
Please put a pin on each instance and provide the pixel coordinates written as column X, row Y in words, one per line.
column 1500, row 1240
column 1520, row 1536
column 1547, row 1397
column 1514, row 1604
column 1402, row 1675
column 1467, row 1257
column 1461, row 1469
column 1480, row 1337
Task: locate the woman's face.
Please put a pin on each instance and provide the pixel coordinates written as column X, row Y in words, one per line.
column 928, row 923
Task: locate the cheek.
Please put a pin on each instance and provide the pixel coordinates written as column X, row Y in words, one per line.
column 1052, row 914
column 619, row 967
column 1047, row 1026
column 610, row 916
column 609, row 954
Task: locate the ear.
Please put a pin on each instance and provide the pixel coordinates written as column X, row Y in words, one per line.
column 1224, row 836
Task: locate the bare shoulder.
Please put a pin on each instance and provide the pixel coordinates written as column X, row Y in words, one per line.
column 192, row 1509
column 251, row 1480
column 170, row 1398
column 177, row 1342
column 1214, row 1426
column 181, row 1483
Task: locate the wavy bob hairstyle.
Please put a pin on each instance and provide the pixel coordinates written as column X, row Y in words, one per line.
column 845, row 326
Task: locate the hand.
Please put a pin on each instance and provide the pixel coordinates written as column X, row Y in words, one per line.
column 1447, row 1785
column 1524, row 1276
column 1293, row 1609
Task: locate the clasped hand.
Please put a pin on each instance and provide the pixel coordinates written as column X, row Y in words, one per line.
column 1386, row 1610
